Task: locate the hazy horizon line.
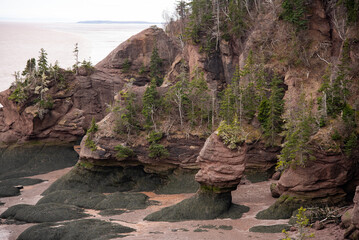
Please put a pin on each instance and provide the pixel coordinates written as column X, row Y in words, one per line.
column 95, row 21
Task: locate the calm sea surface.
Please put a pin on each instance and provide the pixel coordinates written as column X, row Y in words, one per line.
column 21, row 41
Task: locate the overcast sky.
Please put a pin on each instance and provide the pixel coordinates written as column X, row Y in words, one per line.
column 77, row 10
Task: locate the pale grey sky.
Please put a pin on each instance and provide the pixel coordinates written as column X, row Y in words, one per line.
column 77, row 10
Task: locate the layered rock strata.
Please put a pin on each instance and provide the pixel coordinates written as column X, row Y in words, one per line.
column 221, row 167
column 220, row 173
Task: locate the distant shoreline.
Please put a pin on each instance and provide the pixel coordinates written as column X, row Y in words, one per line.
column 116, row 22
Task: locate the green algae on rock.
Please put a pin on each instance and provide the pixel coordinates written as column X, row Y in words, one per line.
column 48, row 212
column 278, row 228
column 202, row 206
column 9, row 191
column 86, row 229
column 98, row 201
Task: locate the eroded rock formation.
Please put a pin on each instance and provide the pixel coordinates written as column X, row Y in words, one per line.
column 221, row 171
column 221, row 167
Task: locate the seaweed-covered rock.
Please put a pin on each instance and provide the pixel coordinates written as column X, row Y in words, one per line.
column 89, row 177
column 85, row 229
column 283, row 208
column 129, row 201
column 20, row 181
column 9, row 191
column 93, row 200
column 106, row 180
column 48, row 212
column 78, row 198
column 202, row 206
column 11, row 187
column 278, row 228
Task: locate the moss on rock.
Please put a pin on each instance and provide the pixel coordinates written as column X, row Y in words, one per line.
column 9, row 191
column 106, row 179
column 202, row 206
column 78, row 198
column 129, row 201
column 283, row 208
column 278, row 228
column 49, row 212
column 99, row 201
column 85, row 229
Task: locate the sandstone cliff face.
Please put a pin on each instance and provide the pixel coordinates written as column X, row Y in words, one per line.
column 72, row 110
column 183, row 149
column 132, row 58
column 323, row 179
column 87, row 95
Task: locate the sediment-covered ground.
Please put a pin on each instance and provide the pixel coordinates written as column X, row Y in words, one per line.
column 256, row 196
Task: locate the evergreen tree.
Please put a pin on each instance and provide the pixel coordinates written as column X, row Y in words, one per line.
column 126, row 113
column 200, row 100
column 151, row 102
column 155, row 66
column 335, row 90
column 298, row 129
column 42, row 63
column 231, row 101
column 30, row 68
column 271, row 110
column 76, row 54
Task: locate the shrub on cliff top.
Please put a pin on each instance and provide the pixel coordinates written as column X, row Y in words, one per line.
column 89, row 141
column 231, row 134
column 294, row 11
column 123, row 152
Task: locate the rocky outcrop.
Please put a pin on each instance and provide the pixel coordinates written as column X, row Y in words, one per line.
column 71, row 112
column 183, row 150
column 221, row 167
column 220, row 173
column 87, row 95
column 260, row 157
column 132, row 58
column 319, row 179
column 350, row 219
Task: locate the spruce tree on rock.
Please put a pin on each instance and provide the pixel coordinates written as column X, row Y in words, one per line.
column 155, row 66
column 42, row 63
column 151, row 102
